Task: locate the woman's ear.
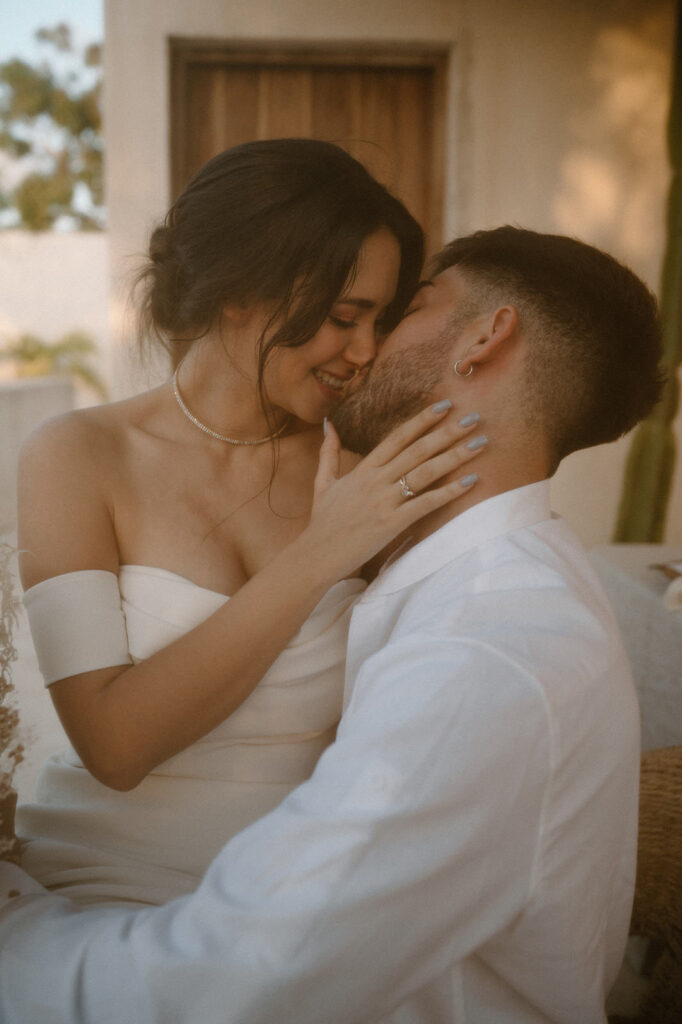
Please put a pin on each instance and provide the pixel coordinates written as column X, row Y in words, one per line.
column 492, row 334
column 235, row 313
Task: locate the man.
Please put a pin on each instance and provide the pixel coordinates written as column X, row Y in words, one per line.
column 465, row 850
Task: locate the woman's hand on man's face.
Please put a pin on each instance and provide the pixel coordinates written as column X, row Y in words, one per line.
column 406, row 477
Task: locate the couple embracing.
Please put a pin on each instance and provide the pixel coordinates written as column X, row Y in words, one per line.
column 209, row 581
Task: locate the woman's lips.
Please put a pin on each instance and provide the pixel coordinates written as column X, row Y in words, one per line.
column 332, row 387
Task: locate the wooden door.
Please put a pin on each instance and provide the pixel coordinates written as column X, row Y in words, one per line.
column 385, row 109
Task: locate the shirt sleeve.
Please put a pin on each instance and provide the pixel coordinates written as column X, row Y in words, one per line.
column 77, row 623
column 411, row 845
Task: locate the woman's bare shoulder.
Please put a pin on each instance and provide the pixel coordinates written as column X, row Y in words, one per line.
column 92, row 435
column 69, row 472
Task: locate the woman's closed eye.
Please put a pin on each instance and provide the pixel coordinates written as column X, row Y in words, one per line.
column 381, row 327
column 340, row 322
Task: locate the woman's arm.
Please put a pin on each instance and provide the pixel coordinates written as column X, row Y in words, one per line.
column 123, row 721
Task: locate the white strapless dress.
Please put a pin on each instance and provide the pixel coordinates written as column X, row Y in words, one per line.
column 154, row 843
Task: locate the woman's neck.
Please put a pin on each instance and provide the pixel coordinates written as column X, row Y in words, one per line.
column 222, row 394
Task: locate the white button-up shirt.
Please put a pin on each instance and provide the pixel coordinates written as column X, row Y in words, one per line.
column 464, row 853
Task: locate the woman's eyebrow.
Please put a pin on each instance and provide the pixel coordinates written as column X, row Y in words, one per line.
column 358, row 303
column 369, row 303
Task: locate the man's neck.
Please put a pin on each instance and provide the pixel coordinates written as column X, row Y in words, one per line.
column 495, row 477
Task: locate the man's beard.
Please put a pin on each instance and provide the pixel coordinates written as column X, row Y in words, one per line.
column 402, row 385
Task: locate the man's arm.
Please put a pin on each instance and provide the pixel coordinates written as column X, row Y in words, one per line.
column 412, row 844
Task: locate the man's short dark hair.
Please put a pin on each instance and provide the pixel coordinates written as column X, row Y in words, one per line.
column 592, row 327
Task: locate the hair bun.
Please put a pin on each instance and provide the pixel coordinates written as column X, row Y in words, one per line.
column 161, row 245
column 166, row 279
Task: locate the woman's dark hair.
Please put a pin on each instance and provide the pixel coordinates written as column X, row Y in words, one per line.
column 277, row 223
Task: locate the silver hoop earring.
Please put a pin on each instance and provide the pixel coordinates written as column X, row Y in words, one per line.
column 456, row 369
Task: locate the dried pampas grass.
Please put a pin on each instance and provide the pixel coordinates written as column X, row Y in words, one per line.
column 11, row 750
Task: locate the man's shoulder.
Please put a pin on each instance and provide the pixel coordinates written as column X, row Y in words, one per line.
column 522, row 618
column 545, row 558
column 530, row 596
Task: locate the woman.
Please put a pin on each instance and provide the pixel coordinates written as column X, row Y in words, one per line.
column 270, row 282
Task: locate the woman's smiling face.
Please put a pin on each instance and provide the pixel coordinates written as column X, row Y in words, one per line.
column 306, row 381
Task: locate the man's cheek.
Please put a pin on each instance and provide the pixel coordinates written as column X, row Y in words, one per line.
column 394, row 343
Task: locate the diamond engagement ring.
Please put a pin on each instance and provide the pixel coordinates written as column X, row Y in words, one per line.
column 405, row 488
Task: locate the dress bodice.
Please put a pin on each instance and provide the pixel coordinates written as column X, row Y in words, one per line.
column 154, row 842
column 297, row 701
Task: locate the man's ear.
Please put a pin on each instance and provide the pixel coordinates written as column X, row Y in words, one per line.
column 489, row 341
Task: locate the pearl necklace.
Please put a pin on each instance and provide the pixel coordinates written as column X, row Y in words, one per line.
column 214, row 433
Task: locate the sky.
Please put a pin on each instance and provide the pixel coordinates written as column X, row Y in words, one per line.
column 20, row 18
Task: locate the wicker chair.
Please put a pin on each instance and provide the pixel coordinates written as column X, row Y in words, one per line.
column 657, row 910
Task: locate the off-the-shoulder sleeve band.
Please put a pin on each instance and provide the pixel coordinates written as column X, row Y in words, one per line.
column 77, row 623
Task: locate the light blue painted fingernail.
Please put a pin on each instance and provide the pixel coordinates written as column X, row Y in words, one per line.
column 477, row 442
column 441, row 406
column 468, row 481
column 324, row 426
column 468, row 421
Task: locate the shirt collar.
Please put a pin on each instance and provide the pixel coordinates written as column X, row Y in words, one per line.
column 511, row 510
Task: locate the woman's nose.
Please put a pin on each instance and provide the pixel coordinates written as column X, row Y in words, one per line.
column 362, row 347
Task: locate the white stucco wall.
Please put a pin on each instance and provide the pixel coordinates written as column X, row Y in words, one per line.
column 52, row 283
column 555, row 121
column 563, row 119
